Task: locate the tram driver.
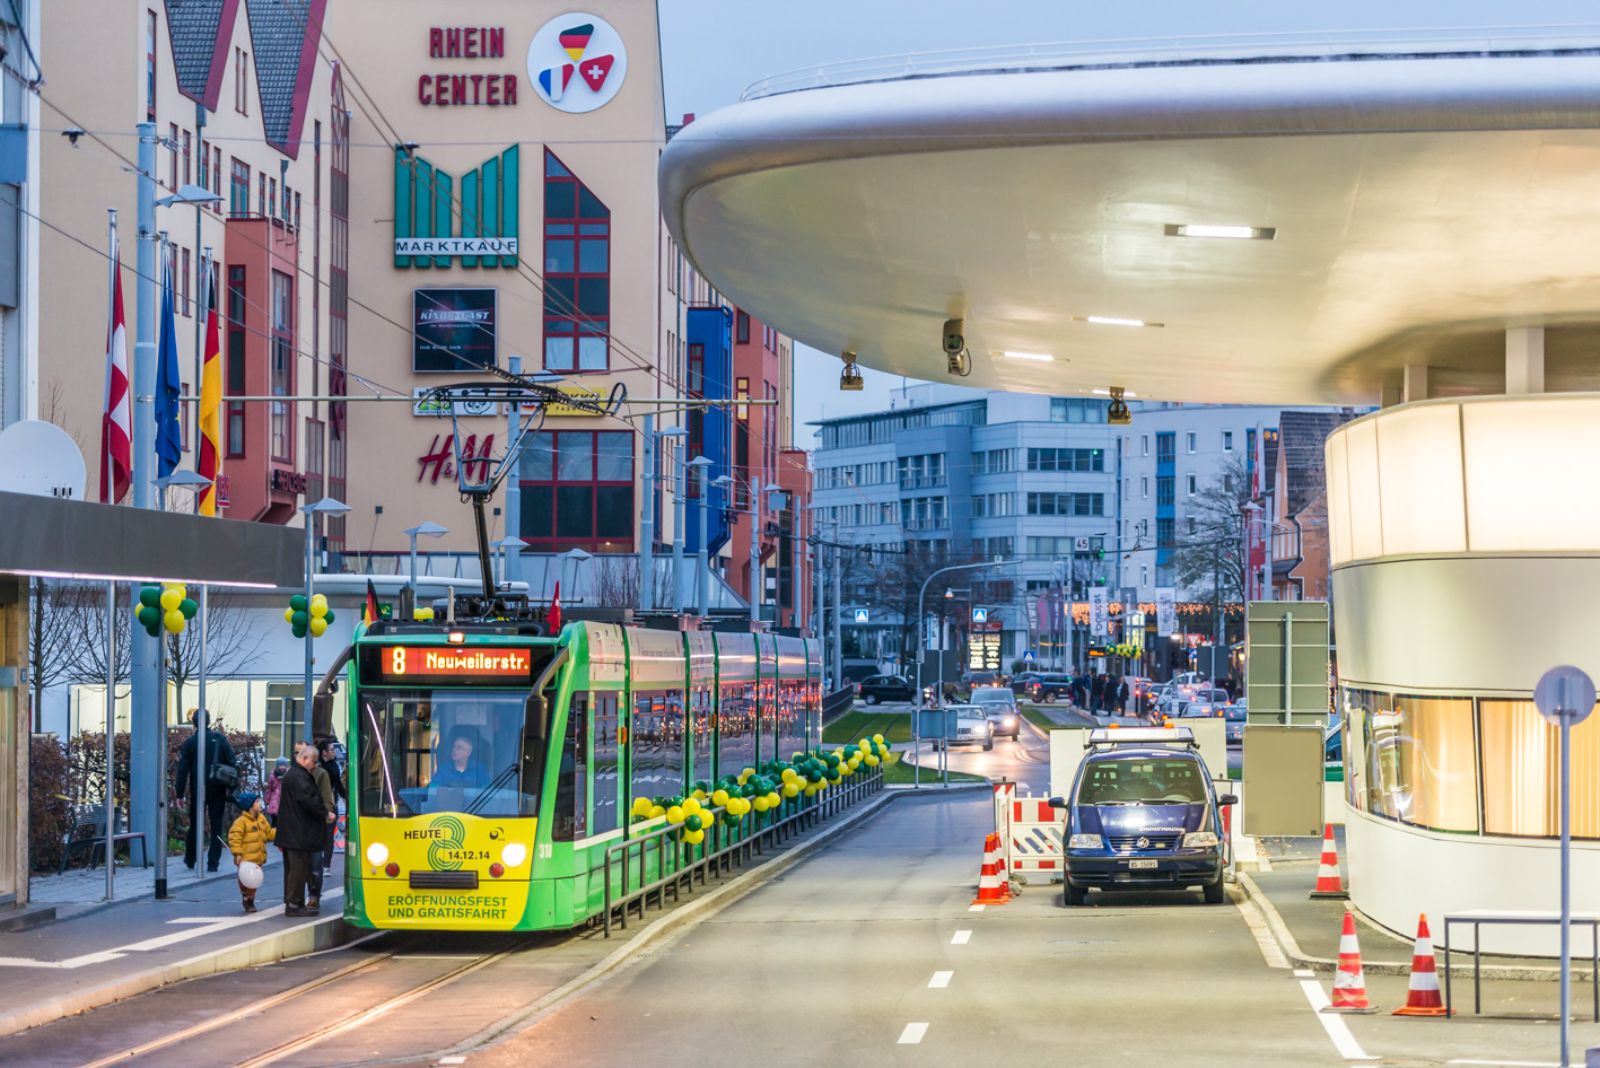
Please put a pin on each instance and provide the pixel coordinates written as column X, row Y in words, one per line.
column 462, row 769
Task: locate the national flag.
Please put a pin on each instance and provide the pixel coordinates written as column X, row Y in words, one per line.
column 554, row 80
column 169, row 386
column 116, row 421
column 554, row 618
column 370, row 615
column 595, row 70
column 574, row 39
column 209, row 463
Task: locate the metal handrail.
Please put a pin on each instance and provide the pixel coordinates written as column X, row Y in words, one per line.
column 678, row 865
column 1159, row 51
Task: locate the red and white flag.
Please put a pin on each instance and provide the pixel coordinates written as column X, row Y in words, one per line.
column 116, row 423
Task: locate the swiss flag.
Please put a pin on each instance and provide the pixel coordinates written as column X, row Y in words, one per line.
column 595, row 70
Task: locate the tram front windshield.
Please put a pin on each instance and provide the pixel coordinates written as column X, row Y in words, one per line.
column 473, row 751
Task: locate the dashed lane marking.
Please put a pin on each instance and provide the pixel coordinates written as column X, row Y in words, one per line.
column 960, row 938
column 1337, row 1029
column 453, row 1060
column 1304, row 973
column 974, row 908
column 1509, row 1064
column 940, row 980
column 912, row 1035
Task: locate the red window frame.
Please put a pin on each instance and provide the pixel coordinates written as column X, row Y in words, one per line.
column 572, row 236
column 548, row 489
column 743, row 327
column 237, row 382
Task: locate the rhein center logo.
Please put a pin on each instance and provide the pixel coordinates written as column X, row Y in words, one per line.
column 577, row 62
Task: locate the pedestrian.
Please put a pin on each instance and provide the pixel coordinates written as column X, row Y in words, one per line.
column 1122, row 697
column 247, row 840
column 222, row 775
column 302, row 826
column 1097, row 692
column 328, row 757
column 319, row 773
column 273, row 789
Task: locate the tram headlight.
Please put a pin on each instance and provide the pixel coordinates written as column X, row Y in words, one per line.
column 377, row 853
column 514, row 854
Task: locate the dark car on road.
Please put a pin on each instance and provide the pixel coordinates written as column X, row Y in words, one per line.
column 1143, row 815
column 877, row 688
column 1050, row 686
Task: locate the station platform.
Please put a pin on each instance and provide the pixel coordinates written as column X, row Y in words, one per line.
column 92, row 952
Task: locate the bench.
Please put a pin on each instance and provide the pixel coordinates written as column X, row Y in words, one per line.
column 89, row 829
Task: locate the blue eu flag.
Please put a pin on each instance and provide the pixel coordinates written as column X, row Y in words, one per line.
column 169, row 385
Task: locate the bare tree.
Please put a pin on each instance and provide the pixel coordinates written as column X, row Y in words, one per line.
column 616, row 582
column 230, row 642
column 1211, row 559
column 891, row 581
column 55, row 634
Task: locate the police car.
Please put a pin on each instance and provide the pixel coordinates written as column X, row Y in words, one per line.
column 1143, row 815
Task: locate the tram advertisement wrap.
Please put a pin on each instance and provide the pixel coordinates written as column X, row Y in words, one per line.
column 439, row 850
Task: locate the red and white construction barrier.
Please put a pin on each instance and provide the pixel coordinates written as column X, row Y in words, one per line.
column 1030, row 833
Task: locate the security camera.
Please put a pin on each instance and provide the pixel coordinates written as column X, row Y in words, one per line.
column 1117, row 414
column 850, row 376
column 957, row 358
column 72, row 133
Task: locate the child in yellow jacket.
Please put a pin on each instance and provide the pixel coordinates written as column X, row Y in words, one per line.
column 248, row 838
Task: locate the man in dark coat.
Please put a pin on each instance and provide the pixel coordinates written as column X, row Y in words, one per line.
column 302, row 827
column 218, row 786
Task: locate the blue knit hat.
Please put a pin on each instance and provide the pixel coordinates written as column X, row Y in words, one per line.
column 246, row 799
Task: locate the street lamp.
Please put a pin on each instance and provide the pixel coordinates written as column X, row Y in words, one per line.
column 678, row 521
column 702, row 587
column 329, row 507
column 425, row 529
column 196, row 197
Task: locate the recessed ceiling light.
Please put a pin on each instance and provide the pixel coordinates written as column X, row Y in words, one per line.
column 1111, row 320
column 1037, row 357
column 1107, row 393
column 1237, row 233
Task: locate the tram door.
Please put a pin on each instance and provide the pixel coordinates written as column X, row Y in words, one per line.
column 609, row 775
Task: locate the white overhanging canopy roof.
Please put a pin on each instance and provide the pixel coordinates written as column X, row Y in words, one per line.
column 1422, row 199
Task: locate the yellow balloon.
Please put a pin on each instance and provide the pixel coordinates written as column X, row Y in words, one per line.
column 790, row 789
column 691, row 806
column 675, row 814
column 761, row 803
column 790, row 775
column 641, row 806
column 694, row 837
column 174, row 621
column 878, row 738
column 288, row 615
column 865, row 743
column 872, row 761
column 656, row 812
column 708, row 818
column 170, row 599
column 319, row 604
column 318, row 625
column 773, row 800
column 847, row 769
column 719, row 798
column 743, row 803
column 811, row 791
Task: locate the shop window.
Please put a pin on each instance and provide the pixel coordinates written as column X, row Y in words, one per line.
column 1421, row 767
column 1522, row 772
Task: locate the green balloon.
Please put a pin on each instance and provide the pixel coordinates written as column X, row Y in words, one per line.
column 188, row 608
column 748, row 789
column 693, row 822
column 149, row 615
column 731, row 818
column 299, row 630
column 327, row 617
column 300, row 620
column 298, row 602
column 150, row 596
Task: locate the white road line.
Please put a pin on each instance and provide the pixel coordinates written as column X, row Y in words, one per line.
column 940, row 980
column 1509, row 1064
column 912, row 1035
column 960, row 938
column 1337, row 1029
column 1270, row 951
column 453, row 1060
column 974, row 908
column 1304, row 973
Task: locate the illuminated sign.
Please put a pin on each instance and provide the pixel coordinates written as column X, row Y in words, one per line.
column 399, row 665
column 582, row 45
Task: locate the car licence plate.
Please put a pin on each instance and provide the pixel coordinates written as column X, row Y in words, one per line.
column 1141, row 865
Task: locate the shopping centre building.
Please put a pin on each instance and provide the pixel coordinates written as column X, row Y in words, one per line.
column 1374, row 223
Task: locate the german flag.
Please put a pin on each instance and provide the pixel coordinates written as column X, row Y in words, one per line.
column 575, row 39
column 372, row 613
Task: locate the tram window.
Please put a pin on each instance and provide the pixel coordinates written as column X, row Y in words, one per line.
column 655, row 743
column 702, row 738
column 605, row 764
column 572, row 809
column 450, row 751
column 736, row 728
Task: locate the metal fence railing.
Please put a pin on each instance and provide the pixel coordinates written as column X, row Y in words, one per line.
column 656, row 863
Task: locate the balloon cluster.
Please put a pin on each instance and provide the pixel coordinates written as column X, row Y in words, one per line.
column 768, row 787
column 314, row 615
column 165, row 607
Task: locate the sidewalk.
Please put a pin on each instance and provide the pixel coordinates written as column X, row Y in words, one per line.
column 101, row 952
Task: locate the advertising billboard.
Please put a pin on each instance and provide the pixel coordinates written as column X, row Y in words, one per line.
column 453, row 330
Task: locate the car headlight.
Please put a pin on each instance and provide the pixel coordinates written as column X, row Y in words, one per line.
column 1200, row 840
column 514, row 854
column 377, row 853
column 1085, row 841
column 1011, row 721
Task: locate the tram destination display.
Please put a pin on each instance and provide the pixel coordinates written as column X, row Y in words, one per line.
column 453, row 330
column 447, row 665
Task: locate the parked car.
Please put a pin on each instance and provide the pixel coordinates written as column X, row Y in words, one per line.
column 1001, row 705
column 1021, row 681
column 973, row 727
column 1050, row 686
column 1205, row 702
column 876, row 688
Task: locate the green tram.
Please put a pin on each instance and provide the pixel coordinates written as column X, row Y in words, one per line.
column 491, row 768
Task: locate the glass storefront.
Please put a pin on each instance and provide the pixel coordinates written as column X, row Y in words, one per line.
column 1466, row 765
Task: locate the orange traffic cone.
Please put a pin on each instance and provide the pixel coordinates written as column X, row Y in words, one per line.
column 1329, row 885
column 992, row 889
column 1349, row 982
column 1422, row 999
